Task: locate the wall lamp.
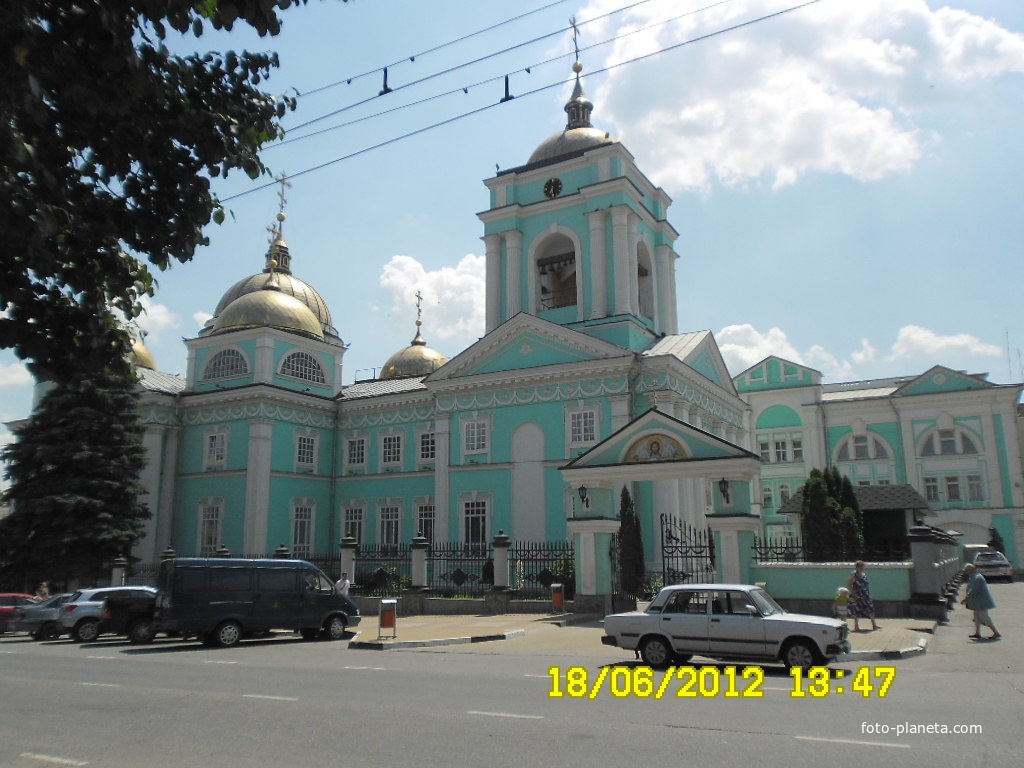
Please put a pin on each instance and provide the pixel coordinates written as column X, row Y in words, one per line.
column 723, row 487
column 584, row 496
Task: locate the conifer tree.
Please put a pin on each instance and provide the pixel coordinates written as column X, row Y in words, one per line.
column 74, row 470
column 631, row 547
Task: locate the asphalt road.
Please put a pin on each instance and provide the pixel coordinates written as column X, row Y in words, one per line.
column 288, row 702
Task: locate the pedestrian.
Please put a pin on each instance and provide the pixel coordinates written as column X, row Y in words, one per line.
column 43, row 591
column 341, row 587
column 861, row 604
column 841, row 607
column 979, row 599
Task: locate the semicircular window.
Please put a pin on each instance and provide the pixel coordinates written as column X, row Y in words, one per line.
column 225, row 364
column 861, row 448
column 302, row 365
column 948, row 442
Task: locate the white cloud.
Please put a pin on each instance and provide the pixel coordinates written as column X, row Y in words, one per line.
column 743, row 345
column 14, row 375
column 200, row 318
column 915, row 341
column 838, row 87
column 866, row 354
column 453, row 299
column 156, row 318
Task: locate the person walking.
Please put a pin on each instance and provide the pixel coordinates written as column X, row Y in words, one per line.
column 861, row 605
column 979, row 599
column 341, row 587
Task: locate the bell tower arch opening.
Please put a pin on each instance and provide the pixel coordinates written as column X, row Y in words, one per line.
column 555, row 273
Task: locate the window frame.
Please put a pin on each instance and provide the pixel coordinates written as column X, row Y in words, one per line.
column 210, row 520
column 389, row 524
column 307, row 509
column 311, row 372
column 239, row 368
column 353, row 516
column 481, row 434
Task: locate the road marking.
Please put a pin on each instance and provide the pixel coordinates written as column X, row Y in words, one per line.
column 52, row 759
column 217, row 661
column 543, row 677
column 854, row 741
column 376, row 669
column 768, row 688
column 101, row 685
column 505, row 714
column 101, row 657
column 272, row 698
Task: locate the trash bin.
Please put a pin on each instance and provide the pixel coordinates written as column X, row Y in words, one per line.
column 388, row 619
column 557, row 598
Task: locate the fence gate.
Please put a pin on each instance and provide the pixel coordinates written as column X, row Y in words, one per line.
column 687, row 552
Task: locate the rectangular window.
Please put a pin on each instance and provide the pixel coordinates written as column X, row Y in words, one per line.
column 474, row 531
column 389, row 524
column 353, row 524
column 766, row 451
column 305, row 451
column 583, row 427
column 476, row 436
column 209, row 529
column 392, row 449
column 425, row 522
column 947, row 442
column 931, row 488
column 974, row 491
column 860, row 447
column 215, row 449
column 781, row 451
column 798, row 450
column 428, row 447
column 357, row 451
column 952, row 488
column 302, row 532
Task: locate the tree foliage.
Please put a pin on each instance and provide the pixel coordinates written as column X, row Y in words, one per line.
column 108, row 144
column 831, row 526
column 74, row 470
column 632, row 570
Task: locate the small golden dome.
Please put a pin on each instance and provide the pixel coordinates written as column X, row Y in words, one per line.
column 415, row 360
column 268, row 308
column 579, row 134
column 140, row 356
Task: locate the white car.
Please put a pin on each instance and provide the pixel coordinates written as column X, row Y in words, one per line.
column 725, row 621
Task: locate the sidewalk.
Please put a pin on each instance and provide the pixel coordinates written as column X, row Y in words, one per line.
column 569, row 633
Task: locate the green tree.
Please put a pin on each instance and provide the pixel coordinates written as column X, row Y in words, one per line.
column 995, row 540
column 632, row 570
column 108, row 144
column 74, row 471
column 830, row 523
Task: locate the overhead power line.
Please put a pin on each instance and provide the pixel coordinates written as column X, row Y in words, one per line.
column 526, row 94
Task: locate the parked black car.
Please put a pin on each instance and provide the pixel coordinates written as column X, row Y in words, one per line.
column 130, row 615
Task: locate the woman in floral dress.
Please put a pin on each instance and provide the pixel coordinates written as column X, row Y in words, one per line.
column 861, row 604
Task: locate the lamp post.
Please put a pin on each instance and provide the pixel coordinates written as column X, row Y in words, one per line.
column 723, row 487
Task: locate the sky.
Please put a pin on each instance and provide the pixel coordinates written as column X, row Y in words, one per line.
column 847, row 175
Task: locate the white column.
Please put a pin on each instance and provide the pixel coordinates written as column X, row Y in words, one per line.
column 264, row 365
column 165, row 524
column 492, row 250
column 442, row 448
column 598, row 265
column 633, row 241
column 620, row 256
column 664, row 285
column 257, row 486
column 514, row 252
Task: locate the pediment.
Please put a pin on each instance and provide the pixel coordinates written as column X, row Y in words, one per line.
column 776, row 373
column 940, row 379
column 699, row 351
column 522, row 342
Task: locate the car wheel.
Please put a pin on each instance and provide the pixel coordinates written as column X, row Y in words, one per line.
column 49, row 631
column 655, row 652
column 86, row 631
column 800, row 653
column 228, row 634
column 309, row 634
column 141, row 631
column 335, row 628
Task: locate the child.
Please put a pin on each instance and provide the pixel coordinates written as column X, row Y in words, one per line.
column 841, row 608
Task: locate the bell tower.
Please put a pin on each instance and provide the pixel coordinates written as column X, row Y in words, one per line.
column 579, row 236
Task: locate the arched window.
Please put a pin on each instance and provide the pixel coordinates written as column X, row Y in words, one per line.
column 225, row 364
column 948, row 442
column 302, row 365
column 783, row 494
column 645, row 282
column 556, row 273
column 767, row 499
column 862, row 448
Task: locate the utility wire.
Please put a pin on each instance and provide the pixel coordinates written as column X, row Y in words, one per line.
column 541, row 89
column 465, row 89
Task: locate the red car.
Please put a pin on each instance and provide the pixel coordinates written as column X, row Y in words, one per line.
column 11, row 600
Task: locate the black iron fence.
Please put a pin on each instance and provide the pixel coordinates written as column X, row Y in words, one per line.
column 789, row 549
column 457, row 569
column 382, row 570
column 535, row 565
column 687, row 552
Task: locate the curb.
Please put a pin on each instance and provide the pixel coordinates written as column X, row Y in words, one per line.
column 387, row 645
column 903, row 653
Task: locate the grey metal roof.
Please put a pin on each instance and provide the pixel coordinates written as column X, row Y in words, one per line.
column 870, row 498
column 379, row 387
column 155, row 381
column 678, row 344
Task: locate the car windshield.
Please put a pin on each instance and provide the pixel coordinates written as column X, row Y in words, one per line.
column 993, row 558
column 765, row 603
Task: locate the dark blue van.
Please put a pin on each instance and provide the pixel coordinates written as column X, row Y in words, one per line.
column 220, row 600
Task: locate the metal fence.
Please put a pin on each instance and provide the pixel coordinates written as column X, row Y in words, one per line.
column 789, row 549
column 457, row 569
column 382, row 570
column 535, row 565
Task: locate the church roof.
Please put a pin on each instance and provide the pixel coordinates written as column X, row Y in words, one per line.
column 155, row 381
column 579, row 135
column 869, row 498
column 380, row 387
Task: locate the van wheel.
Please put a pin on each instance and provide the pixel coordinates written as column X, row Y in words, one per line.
column 228, row 634
column 86, row 631
column 141, row 631
column 335, row 628
column 309, row 634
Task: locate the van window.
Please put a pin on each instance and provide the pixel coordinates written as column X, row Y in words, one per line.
column 230, row 579
column 275, row 580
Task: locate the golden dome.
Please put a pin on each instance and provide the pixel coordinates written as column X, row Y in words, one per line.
column 579, row 134
column 415, row 360
column 140, row 357
column 268, row 308
column 279, row 277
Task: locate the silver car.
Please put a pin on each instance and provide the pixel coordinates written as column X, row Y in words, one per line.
column 82, row 614
column 994, row 565
column 41, row 620
column 725, row 621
